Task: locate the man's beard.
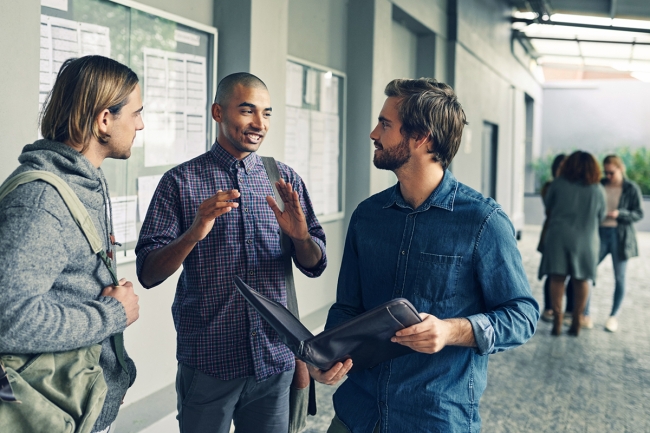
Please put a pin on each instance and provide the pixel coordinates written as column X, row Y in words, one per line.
column 392, row 159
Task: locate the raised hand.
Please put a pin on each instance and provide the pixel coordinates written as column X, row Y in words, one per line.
column 209, row 210
column 292, row 220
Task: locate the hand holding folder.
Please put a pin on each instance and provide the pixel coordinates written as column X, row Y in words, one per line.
column 365, row 338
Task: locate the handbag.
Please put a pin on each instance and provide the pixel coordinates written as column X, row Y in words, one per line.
column 365, row 338
column 302, row 392
column 63, row 391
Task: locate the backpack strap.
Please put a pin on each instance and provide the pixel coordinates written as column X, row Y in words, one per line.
column 273, row 174
column 82, row 218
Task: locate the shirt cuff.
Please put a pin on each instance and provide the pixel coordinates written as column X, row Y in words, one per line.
column 483, row 333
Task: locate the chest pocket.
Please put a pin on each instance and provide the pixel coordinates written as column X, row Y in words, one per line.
column 437, row 276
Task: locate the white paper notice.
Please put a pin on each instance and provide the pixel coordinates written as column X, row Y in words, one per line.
column 317, row 162
column 297, row 139
column 175, row 97
column 62, row 39
column 146, row 188
column 329, row 93
column 311, row 89
column 331, row 164
column 294, row 84
column 124, row 215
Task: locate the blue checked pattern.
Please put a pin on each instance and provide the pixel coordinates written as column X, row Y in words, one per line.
column 217, row 332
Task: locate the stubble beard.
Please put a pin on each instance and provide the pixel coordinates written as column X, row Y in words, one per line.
column 392, row 159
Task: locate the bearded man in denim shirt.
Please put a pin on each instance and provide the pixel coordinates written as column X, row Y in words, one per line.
column 448, row 250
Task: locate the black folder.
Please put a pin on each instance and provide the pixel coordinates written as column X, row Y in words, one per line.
column 365, row 338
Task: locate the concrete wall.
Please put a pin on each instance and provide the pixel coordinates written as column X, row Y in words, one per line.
column 491, row 84
column 19, row 21
column 595, row 115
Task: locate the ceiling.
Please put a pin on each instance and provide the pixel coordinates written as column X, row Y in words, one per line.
column 596, row 37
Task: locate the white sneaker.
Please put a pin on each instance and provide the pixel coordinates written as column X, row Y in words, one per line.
column 586, row 322
column 612, row 324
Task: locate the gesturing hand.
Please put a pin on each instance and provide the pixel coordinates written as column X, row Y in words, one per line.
column 209, row 210
column 292, row 221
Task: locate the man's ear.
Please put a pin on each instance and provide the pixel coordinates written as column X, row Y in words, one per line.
column 423, row 140
column 217, row 112
column 104, row 120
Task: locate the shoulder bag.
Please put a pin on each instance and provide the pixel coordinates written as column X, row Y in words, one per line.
column 63, row 391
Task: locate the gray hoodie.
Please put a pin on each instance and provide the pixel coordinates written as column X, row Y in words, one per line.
column 50, row 280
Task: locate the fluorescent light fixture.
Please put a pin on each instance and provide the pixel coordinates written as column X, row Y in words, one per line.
column 581, row 19
column 524, row 15
column 641, row 76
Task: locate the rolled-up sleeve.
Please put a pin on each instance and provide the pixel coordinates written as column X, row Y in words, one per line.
column 161, row 225
column 511, row 311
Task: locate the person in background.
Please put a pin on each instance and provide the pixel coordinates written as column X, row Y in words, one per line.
column 575, row 203
column 617, row 234
column 215, row 216
column 446, row 248
column 55, row 295
column 547, row 314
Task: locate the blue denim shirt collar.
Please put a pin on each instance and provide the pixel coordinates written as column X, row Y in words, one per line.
column 442, row 197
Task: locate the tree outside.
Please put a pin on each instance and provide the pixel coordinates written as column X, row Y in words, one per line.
column 637, row 162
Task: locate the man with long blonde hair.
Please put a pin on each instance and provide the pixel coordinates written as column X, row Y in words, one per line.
column 55, row 294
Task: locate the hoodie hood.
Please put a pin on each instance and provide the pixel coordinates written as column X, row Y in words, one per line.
column 70, row 165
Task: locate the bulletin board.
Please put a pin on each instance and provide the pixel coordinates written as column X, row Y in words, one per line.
column 174, row 58
column 315, row 133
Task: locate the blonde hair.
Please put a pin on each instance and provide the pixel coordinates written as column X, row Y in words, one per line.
column 615, row 160
column 84, row 88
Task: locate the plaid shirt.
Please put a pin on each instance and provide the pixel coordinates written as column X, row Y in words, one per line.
column 217, row 332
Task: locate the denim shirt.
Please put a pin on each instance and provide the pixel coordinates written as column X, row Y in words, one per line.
column 454, row 256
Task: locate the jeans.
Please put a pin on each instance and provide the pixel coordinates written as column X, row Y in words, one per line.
column 208, row 405
column 609, row 245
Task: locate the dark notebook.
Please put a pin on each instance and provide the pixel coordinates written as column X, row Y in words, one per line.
column 365, row 338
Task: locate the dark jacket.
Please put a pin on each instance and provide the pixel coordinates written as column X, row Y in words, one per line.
column 630, row 210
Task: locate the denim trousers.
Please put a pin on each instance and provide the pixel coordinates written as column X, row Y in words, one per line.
column 609, row 245
column 208, row 405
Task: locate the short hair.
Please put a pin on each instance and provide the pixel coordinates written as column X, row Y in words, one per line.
column 84, row 87
column 581, row 167
column 428, row 107
column 228, row 83
column 559, row 159
column 615, row 160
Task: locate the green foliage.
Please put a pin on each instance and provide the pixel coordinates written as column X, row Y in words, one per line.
column 637, row 162
column 542, row 169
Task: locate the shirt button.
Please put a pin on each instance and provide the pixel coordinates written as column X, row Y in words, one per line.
column 253, row 333
column 249, row 241
column 246, row 209
column 403, row 252
column 251, row 273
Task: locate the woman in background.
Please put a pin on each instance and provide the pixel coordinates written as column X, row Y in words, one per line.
column 575, row 203
column 617, row 234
